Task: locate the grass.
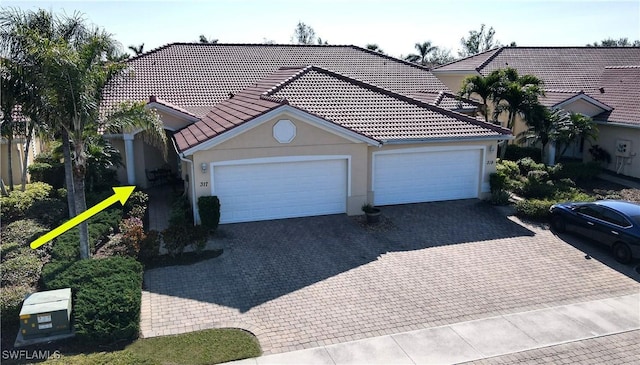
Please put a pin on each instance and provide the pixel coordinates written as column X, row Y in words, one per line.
column 212, row 346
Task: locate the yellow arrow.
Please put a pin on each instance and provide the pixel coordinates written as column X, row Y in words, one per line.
column 120, row 194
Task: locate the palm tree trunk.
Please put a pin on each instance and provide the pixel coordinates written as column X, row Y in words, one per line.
column 3, row 189
column 68, row 173
column 79, row 173
column 25, row 158
column 10, row 159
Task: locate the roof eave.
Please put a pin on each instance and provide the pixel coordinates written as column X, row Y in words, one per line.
column 448, row 139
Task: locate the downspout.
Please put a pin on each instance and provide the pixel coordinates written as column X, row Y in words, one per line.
column 192, row 181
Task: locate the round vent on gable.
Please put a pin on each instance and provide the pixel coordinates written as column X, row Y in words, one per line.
column 284, row 131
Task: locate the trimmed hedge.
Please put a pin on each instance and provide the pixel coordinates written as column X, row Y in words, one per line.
column 16, row 205
column 106, row 297
column 534, row 208
column 11, row 302
column 515, row 153
column 209, row 208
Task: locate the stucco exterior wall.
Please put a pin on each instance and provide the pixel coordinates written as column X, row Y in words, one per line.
column 171, row 122
column 17, row 158
column 607, row 137
column 488, row 162
column 453, row 81
column 259, row 142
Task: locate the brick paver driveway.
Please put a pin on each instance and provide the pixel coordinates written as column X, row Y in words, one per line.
column 305, row 282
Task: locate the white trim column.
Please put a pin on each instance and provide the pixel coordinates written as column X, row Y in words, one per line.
column 129, row 158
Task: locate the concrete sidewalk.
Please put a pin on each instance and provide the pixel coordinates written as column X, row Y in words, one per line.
column 479, row 339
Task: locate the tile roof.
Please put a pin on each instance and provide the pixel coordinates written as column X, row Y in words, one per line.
column 358, row 106
column 567, row 71
column 445, row 100
column 196, row 76
column 621, row 89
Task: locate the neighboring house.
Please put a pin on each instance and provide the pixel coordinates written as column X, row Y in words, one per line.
column 599, row 82
column 290, row 131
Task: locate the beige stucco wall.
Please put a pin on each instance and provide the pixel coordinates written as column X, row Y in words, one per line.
column 17, row 158
column 259, row 142
column 171, row 122
column 607, row 137
column 453, row 81
column 488, row 164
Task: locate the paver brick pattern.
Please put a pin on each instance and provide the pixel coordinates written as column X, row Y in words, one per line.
column 620, row 348
column 305, row 282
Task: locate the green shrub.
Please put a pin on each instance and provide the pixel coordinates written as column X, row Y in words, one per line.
column 534, row 208
column 50, row 211
column 535, row 188
column 515, row 153
column 11, row 302
column 181, row 213
column 106, row 297
column 50, row 172
column 498, row 181
column 15, row 206
column 528, row 164
column 209, row 209
column 177, row 238
column 22, row 269
column 509, row 168
column 500, row 197
column 578, row 171
column 22, row 231
column 150, row 246
column 136, row 205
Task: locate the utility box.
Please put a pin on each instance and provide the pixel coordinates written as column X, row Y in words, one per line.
column 46, row 313
column 623, row 148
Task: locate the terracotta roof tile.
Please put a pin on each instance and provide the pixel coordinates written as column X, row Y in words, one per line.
column 363, row 108
column 197, row 76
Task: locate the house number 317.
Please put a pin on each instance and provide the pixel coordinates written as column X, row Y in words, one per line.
column 204, row 184
column 490, row 162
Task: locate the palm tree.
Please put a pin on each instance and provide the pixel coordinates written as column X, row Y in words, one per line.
column 205, row 40
column 137, row 50
column 544, row 125
column 483, row 86
column 578, row 127
column 514, row 94
column 74, row 71
column 424, row 49
column 374, row 47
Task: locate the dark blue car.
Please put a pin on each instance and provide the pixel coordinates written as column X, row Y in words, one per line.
column 614, row 223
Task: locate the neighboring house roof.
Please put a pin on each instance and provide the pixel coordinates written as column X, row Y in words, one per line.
column 620, row 86
column 558, row 98
column 445, row 100
column 568, row 72
column 357, row 106
column 196, row 76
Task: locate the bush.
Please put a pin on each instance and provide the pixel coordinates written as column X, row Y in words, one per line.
column 15, row 206
column 11, row 302
column 209, row 209
column 22, row 269
column 534, row 208
column 106, row 297
column 22, row 232
column 132, row 235
column 177, row 238
column 528, row 164
column 578, row 171
column 498, row 181
column 515, row 153
column 50, row 211
column 136, row 205
column 500, row 197
column 50, row 172
column 533, row 187
column 181, row 213
column 509, row 168
column 150, row 246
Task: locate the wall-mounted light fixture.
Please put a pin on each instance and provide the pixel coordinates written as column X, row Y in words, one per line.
column 203, row 166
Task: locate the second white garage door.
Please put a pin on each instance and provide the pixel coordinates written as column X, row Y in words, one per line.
column 424, row 176
column 274, row 190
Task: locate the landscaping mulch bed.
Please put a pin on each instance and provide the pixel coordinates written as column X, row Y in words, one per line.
column 603, row 189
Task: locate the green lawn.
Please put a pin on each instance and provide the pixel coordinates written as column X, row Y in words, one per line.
column 196, row 348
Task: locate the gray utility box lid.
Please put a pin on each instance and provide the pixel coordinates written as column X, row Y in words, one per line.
column 46, row 313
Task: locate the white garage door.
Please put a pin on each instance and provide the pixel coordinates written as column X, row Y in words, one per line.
column 261, row 191
column 416, row 177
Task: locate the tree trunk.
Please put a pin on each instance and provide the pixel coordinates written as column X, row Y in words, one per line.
column 68, row 173
column 25, row 158
column 3, row 189
column 79, row 173
column 10, row 158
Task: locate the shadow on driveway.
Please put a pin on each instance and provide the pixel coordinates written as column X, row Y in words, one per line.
column 266, row 260
column 601, row 253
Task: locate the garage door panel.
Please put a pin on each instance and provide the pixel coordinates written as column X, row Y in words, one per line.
column 426, row 176
column 251, row 192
